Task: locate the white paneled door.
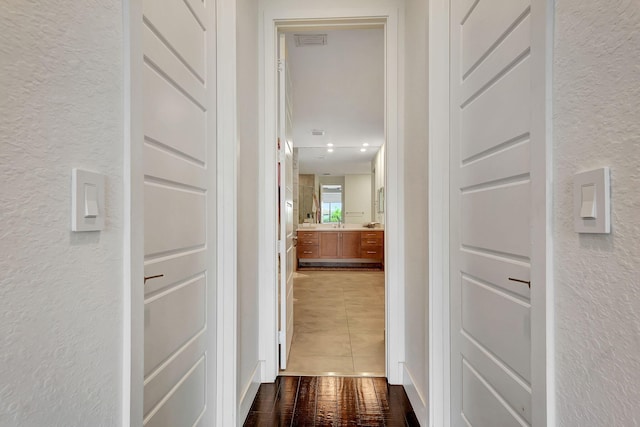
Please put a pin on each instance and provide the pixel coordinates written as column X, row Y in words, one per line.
column 492, row 105
column 176, row 176
column 286, row 248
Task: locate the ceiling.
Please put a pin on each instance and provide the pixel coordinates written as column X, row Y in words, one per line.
column 338, row 88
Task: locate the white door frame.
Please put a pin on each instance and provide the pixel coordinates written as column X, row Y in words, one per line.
column 221, row 238
column 273, row 18
column 133, row 241
column 439, row 347
column 224, row 374
column 542, row 319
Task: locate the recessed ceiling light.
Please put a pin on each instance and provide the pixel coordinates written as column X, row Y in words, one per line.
column 330, row 150
column 363, row 149
column 365, row 145
column 329, row 145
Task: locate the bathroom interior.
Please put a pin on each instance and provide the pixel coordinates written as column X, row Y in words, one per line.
column 337, row 82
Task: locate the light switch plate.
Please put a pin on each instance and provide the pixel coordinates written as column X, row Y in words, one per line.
column 87, row 200
column 591, row 202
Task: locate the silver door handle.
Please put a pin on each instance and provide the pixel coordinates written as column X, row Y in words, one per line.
column 528, row 283
column 152, row 277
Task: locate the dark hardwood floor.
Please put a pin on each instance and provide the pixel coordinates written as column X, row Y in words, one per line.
column 331, row 401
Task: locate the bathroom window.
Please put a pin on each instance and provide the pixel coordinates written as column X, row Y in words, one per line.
column 331, row 201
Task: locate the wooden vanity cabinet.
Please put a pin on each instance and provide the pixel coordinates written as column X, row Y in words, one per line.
column 340, row 244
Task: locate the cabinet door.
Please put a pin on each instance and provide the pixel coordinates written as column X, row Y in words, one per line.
column 329, row 244
column 350, row 244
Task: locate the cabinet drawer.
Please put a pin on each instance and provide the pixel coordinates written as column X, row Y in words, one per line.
column 308, row 241
column 370, row 242
column 374, row 234
column 305, row 251
column 306, row 235
column 375, row 253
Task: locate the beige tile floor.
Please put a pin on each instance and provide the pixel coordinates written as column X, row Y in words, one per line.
column 338, row 323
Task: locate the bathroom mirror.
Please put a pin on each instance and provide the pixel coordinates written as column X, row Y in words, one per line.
column 355, row 177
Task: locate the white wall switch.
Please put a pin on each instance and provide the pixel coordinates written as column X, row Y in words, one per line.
column 87, row 201
column 591, row 202
column 588, row 203
column 90, row 201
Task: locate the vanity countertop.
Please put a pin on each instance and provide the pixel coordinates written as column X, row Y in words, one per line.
column 347, row 227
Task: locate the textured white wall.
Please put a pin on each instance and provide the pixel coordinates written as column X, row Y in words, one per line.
column 247, row 84
column 416, row 241
column 596, row 101
column 60, row 292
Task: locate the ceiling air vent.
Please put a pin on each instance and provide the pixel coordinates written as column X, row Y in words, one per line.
column 310, row 39
column 317, row 132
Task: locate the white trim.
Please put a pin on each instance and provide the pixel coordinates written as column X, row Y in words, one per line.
column 542, row 300
column 213, row 374
column 439, row 350
column 249, row 392
column 418, row 402
column 394, row 196
column 394, row 228
column 226, row 230
column 133, row 250
column 267, row 233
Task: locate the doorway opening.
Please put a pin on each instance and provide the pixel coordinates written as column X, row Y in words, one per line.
column 385, row 260
column 331, row 130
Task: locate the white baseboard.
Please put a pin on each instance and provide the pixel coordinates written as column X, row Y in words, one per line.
column 416, row 397
column 249, row 392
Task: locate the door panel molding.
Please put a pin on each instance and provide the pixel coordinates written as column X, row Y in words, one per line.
column 539, row 20
column 156, row 54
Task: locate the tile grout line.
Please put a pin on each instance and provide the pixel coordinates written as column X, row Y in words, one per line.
column 344, row 302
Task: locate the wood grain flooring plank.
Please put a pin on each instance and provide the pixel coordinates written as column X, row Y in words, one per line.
column 331, row 401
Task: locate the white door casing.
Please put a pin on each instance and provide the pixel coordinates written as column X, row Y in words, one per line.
column 286, row 253
column 277, row 17
column 498, row 218
column 173, row 86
